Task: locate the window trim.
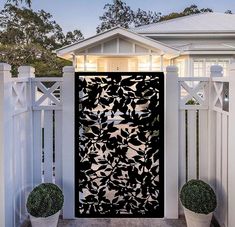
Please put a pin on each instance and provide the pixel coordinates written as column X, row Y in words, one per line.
column 205, row 60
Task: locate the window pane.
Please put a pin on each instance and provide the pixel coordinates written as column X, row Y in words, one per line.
column 202, row 66
column 181, row 68
column 198, row 68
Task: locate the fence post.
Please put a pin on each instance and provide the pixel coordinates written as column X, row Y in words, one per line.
column 26, row 72
column 68, row 141
column 231, row 148
column 31, row 160
column 6, row 159
column 171, row 142
column 215, row 71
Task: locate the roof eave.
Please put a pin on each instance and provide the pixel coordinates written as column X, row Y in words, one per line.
column 208, row 52
column 112, row 33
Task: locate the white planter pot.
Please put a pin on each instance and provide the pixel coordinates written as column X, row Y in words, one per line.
column 197, row 220
column 50, row 221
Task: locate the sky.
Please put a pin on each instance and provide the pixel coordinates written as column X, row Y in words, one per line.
column 84, row 14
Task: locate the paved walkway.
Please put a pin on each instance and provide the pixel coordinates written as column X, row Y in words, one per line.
column 118, row 222
column 121, row 222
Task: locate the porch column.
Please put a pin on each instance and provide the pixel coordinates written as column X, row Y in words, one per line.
column 85, row 63
column 75, row 61
column 150, row 62
column 161, row 62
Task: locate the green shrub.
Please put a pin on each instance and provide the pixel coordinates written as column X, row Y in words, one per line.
column 192, row 102
column 45, row 200
column 198, row 197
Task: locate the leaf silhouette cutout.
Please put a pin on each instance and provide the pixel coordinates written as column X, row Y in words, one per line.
column 118, row 154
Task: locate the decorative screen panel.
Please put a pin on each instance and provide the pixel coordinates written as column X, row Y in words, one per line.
column 119, row 144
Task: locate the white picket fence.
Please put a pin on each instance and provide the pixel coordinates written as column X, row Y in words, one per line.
column 206, row 130
column 31, row 136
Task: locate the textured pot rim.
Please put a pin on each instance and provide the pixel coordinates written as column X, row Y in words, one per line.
column 45, row 217
column 197, row 213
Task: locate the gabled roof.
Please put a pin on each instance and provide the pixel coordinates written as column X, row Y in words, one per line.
column 111, row 34
column 197, row 23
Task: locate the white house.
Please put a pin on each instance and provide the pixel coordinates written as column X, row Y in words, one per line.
column 37, row 132
column 193, row 43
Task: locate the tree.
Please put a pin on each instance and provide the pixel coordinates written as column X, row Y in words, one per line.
column 45, row 62
column 29, row 37
column 73, row 37
column 193, row 9
column 228, row 11
column 116, row 14
column 22, row 26
column 120, row 14
column 142, row 17
column 28, row 2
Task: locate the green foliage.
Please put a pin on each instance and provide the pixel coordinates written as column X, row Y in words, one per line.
column 72, row 37
column 28, row 38
column 193, row 9
column 45, row 62
column 22, row 26
column 120, row 14
column 192, row 102
column 27, row 2
column 116, row 14
column 142, row 17
column 45, row 200
column 198, row 197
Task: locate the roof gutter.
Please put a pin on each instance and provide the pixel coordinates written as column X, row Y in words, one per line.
column 213, row 35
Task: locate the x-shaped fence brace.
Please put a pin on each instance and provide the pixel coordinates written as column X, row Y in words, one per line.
column 218, row 100
column 47, row 95
column 19, row 93
column 193, row 93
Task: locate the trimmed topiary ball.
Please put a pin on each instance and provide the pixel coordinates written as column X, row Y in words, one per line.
column 45, row 200
column 198, row 197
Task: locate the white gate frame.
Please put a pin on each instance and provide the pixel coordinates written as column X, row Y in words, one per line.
column 171, row 143
column 6, row 155
column 231, row 148
column 68, row 142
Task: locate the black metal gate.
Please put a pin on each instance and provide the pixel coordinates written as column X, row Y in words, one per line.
column 119, row 144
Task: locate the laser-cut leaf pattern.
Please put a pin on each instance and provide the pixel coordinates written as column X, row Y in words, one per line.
column 120, row 153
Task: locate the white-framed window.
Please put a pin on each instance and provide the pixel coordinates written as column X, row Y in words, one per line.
column 181, row 67
column 201, row 66
column 198, row 67
column 224, row 63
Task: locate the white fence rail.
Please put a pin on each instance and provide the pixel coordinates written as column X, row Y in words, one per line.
column 31, row 137
column 206, row 129
column 47, row 130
